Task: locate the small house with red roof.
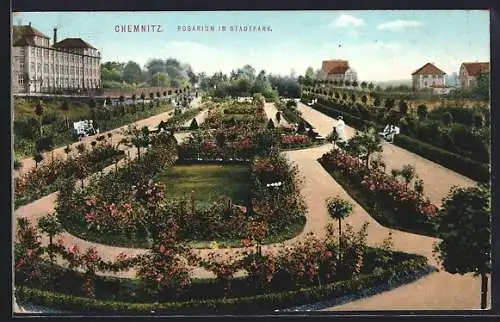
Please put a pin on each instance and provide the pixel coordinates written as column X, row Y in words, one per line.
column 428, row 77
column 337, row 69
column 469, row 72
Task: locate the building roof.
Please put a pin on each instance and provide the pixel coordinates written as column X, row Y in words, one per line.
column 428, row 69
column 338, row 70
column 335, row 66
column 24, row 41
column 475, row 69
column 26, row 30
column 73, row 43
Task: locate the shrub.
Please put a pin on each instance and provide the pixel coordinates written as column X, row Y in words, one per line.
column 403, row 271
column 470, row 168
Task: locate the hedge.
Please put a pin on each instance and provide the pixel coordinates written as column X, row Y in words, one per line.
column 468, row 167
column 473, row 169
column 402, row 272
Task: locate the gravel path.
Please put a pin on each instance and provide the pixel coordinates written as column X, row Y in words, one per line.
column 271, row 110
column 152, row 121
column 462, row 292
column 437, row 179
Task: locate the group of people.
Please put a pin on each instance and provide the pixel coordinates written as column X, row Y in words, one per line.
column 388, row 134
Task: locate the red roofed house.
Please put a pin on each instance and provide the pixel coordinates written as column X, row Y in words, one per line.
column 37, row 66
column 337, row 69
column 428, row 76
column 469, row 73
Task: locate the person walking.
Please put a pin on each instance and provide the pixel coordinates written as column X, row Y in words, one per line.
column 340, row 128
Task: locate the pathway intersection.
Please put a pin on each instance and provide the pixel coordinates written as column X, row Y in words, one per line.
column 436, row 291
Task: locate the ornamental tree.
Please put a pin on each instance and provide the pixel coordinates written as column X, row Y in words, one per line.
column 364, row 143
column 339, row 209
column 51, row 226
column 464, row 226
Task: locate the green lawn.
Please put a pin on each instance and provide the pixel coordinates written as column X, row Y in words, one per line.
column 209, row 181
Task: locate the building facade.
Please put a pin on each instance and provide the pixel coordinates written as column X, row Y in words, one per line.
column 469, row 72
column 70, row 65
column 428, row 77
column 338, row 70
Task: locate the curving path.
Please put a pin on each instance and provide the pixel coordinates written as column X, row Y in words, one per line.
column 461, row 292
column 437, row 179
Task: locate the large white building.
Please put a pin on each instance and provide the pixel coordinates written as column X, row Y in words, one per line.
column 39, row 67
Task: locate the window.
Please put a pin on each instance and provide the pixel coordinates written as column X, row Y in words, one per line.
column 20, row 81
column 21, row 64
column 46, row 68
column 32, row 67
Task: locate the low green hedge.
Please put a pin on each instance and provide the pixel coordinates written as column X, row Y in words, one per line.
column 402, row 272
column 465, row 166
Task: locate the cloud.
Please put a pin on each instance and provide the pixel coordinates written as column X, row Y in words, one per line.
column 344, row 21
column 399, row 24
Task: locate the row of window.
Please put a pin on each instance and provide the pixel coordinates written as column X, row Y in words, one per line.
column 60, row 56
column 60, row 69
column 62, row 81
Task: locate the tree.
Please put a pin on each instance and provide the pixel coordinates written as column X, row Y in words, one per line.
column 333, row 137
column 389, row 103
column 38, row 157
column 464, row 226
column 50, row 225
column 371, row 86
column 143, row 97
column 354, row 83
column 408, row 174
column 364, row 99
column 67, row 150
column 377, row 102
column 353, row 98
column 65, row 108
column 481, row 89
column 39, row 113
column 278, row 117
column 364, row 143
column 403, row 107
column 422, row 111
column 363, row 85
column 339, row 209
column 132, row 73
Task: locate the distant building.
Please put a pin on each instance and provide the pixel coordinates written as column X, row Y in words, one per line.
column 338, row 70
column 428, row 76
column 469, row 73
column 38, row 67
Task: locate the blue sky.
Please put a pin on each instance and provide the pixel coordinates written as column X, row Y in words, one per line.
column 380, row 45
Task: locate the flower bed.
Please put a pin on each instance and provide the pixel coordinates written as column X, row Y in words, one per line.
column 110, row 212
column 384, row 197
column 43, row 179
column 301, row 273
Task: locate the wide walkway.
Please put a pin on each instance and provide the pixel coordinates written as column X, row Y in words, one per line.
column 152, row 121
column 436, row 291
column 271, row 110
column 437, row 179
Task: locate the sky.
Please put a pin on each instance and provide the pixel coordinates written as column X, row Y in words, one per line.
column 379, row 45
